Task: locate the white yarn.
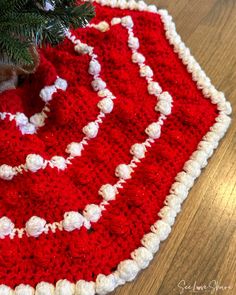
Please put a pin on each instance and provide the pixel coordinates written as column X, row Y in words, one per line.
column 38, row 119
column 163, row 107
column 207, row 147
column 106, row 105
column 47, row 92
column 127, row 21
column 180, row 190
column 58, row 162
column 173, row 202
column 35, row 226
column 72, row 220
column 138, row 57
column 6, row 172
column 61, row 84
column 161, row 229
column 108, row 192
column 29, row 128
column 200, row 157
column 154, row 88
column 142, row 256
column 146, row 71
column 104, row 93
column 123, row 171
column 138, row 150
column 44, row 288
column 168, row 215
column 34, row 162
column 152, row 8
column 21, row 119
column 133, row 43
column 115, row 21
column 74, row 149
column 128, row 269
column 103, row 26
column 24, row 290
column 105, row 284
column 185, row 178
column 5, row 290
column 98, row 84
column 166, row 97
column 64, row 287
column 82, row 48
column 142, row 5
column 192, row 168
column 6, row 227
column 91, row 129
column 92, row 212
column 153, row 130
column 151, row 242
column 85, row 288
column 94, row 67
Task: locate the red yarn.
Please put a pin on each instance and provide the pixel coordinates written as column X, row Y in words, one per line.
column 49, row 193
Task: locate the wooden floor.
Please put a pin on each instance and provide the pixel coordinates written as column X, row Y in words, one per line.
column 202, row 245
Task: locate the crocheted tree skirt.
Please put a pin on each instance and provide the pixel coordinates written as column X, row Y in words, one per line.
column 99, row 149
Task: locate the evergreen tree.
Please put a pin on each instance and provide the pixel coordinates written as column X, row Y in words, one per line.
column 35, row 23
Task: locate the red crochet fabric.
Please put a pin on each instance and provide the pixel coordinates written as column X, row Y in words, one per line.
column 48, row 193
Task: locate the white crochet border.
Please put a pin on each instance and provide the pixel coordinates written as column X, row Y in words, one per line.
column 127, row 270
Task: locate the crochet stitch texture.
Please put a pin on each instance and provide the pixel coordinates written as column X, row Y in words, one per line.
column 98, row 150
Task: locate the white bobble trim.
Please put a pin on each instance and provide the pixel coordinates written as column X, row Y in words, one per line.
column 146, row 71
column 161, row 229
column 154, row 88
column 153, row 130
column 98, row 84
column 142, row 256
column 28, row 129
column 85, row 288
column 64, row 287
column 74, row 149
column 92, row 212
column 152, row 8
column 166, row 97
column 37, row 120
column 94, row 67
column 164, row 107
column 133, row 43
column 34, row 162
column 106, row 105
column 151, row 242
column 207, row 147
column 24, row 290
column 105, row 284
column 138, row 150
column 5, row 290
column 108, row 192
column 142, row 6
column 173, row 202
column 180, row 190
column 47, row 92
column 72, row 220
column 200, row 157
column 127, row 21
column 138, row 57
column 44, row 289
column 103, row 26
column 83, row 48
column 21, row 119
column 61, row 84
column 104, row 93
column 192, row 168
column 115, row 21
column 6, row 227
column 123, row 171
column 91, row 130
column 35, row 226
column 168, row 215
column 58, row 162
column 185, row 178
column 7, row 172
column 128, row 269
